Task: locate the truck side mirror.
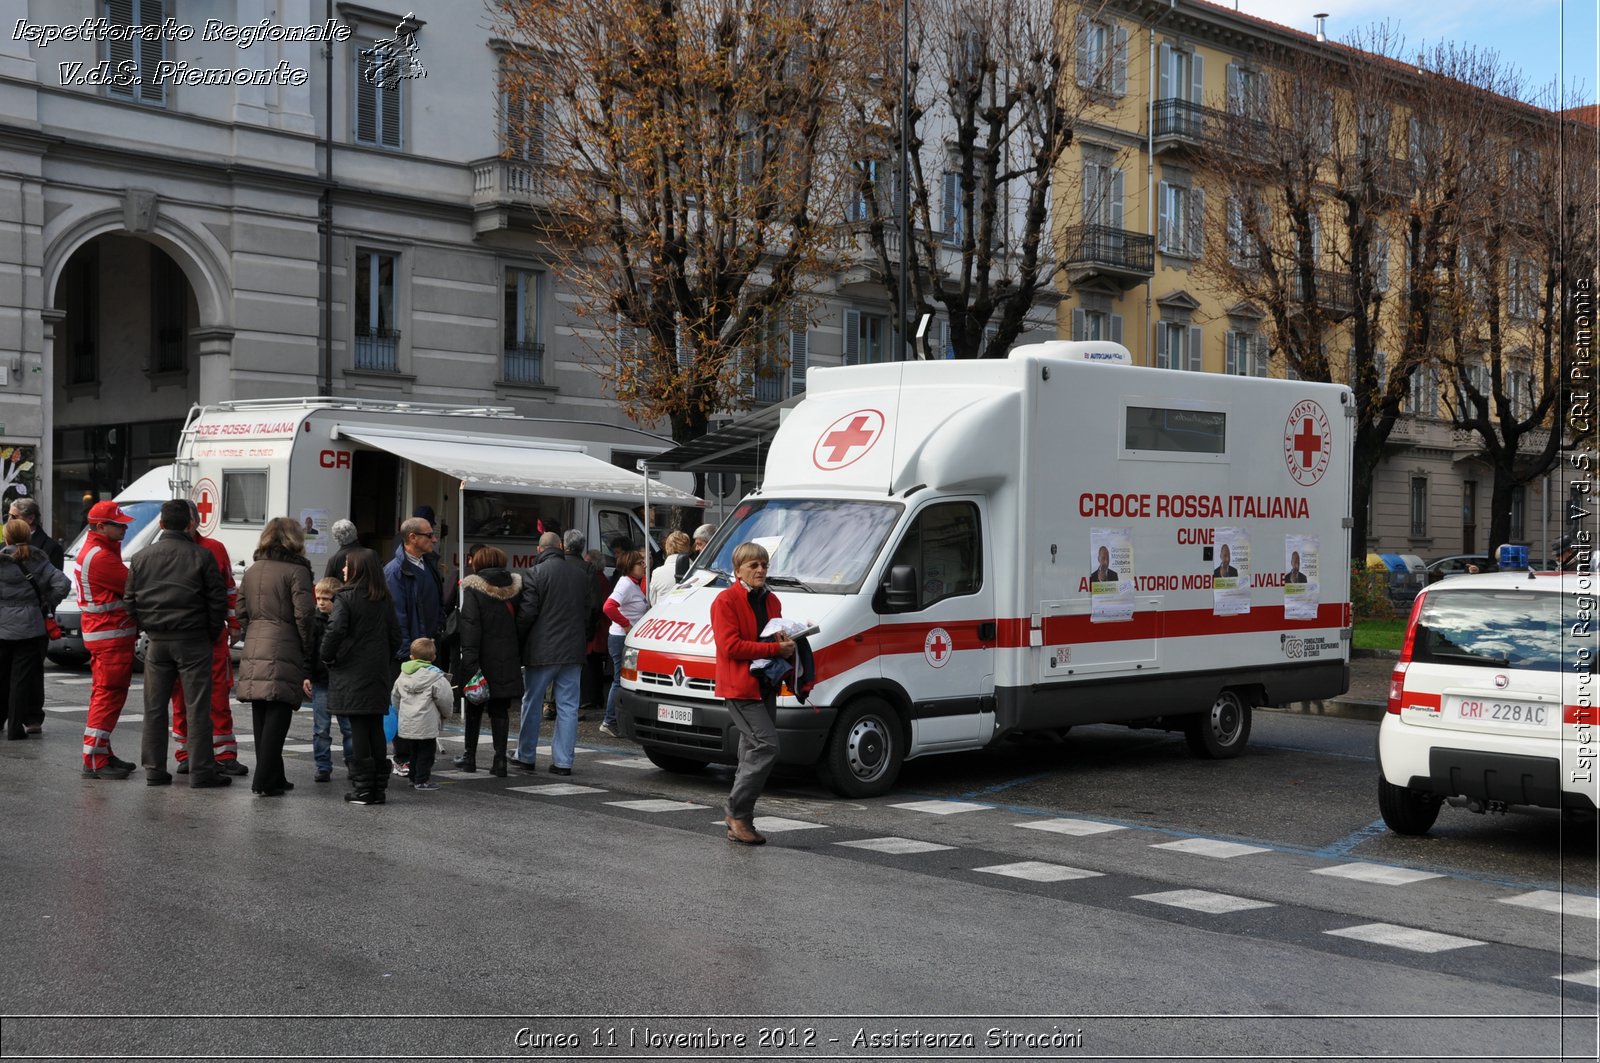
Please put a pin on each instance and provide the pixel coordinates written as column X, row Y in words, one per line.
column 901, row 594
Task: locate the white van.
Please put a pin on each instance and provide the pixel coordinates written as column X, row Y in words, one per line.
column 994, row 547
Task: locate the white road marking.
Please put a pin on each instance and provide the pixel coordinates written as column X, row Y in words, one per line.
column 1378, row 873
column 627, row 762
column 942, row 808
column 1211, row 847
column 895, row 846
column 775, row 824
column 560, row 789
column 1204, row 901
column 1077, row 827
column 656, row 804
column 1588, row 978
column 1038, row 871
column 1403, row 937
column 1559, row 903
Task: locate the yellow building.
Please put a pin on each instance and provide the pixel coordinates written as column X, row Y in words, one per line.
column 1156, row 236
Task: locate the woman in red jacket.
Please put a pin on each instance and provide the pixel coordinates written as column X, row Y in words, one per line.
column 738, row 616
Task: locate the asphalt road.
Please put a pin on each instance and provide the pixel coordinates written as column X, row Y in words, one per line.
column 1108, row 896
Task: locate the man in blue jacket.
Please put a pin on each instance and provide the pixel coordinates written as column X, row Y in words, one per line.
column 417, row 587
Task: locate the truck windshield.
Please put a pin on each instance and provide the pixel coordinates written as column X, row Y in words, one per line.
column 826, row 545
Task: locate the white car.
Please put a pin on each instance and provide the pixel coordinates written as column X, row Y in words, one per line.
column 1493, row 705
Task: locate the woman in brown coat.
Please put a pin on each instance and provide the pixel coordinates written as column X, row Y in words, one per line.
column 276, row 608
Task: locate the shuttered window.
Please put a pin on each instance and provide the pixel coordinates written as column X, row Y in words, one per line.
column 379, row 110
column 134, row 61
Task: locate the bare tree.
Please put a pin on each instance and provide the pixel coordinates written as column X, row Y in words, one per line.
column 1530, row 231
column 1347, row 163
column 684, row 179
column 995, row 89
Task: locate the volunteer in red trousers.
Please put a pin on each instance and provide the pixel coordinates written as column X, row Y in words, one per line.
column 98, row 579
column 224, row 743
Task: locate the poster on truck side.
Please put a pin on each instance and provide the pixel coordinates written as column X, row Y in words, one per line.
column 1110, row 574
column 1230, row 580
column 1302, row 585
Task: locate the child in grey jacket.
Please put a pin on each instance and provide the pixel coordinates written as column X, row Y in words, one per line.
column 423, row 699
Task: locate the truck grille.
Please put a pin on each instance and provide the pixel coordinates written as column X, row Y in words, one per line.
column 707, row 738
column 664, row 681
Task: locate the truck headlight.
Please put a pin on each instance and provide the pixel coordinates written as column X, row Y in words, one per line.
column 630, row 659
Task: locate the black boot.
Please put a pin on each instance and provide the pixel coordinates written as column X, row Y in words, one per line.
column 499, row 765
column 467, row 761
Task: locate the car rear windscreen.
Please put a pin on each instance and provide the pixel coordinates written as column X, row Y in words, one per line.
column 1505, row 629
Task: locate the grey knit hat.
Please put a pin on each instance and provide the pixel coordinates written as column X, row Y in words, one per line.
column 344, row 533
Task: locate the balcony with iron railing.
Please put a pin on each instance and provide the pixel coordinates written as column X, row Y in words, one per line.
column 1121, row 255
column 377, row 350
column 1177, row 124
column 522, row 363
column 1334, row 292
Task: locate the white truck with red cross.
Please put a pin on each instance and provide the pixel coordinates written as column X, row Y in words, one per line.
column 990, row 548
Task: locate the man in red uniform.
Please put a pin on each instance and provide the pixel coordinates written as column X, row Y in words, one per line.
column 98, row 579
column 224, row 743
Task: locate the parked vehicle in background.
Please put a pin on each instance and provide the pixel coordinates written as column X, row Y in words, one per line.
column 1458, row 565
column 1492, row 706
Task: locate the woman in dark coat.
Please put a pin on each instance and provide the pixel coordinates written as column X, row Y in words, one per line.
column 489, row 644
column 22, row 634
column 361, row 641
column 276, row 611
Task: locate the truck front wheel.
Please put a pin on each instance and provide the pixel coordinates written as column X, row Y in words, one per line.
column 864, row 751
column 1220, row 733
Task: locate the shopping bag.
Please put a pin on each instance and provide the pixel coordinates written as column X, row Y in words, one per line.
column 476, row 690
column 391, row 724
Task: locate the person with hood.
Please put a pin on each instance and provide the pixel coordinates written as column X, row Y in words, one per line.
column 277, row 611
column 489, row 644
column 109, row 634
column 345, row 537
column 30, row 587
column 423, row 700
column 358, row 648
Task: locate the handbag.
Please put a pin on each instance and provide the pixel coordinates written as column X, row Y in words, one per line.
column 391, row 724
column 450, row 634
column 51, row 629
column 477, row 689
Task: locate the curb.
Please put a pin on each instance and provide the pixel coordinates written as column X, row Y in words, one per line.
column 1338, row 708
column 1382, row 655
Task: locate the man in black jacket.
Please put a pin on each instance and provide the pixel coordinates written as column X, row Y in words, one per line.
column 176, row 595
column 27, row 509
column 552, row 621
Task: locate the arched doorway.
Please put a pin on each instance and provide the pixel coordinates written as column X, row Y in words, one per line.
column 125, row 370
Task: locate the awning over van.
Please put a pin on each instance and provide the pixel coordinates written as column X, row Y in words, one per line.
column 520, row 467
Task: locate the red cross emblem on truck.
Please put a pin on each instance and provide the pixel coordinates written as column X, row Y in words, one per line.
column 937, row 647
column 1307, row 442
column 205, row 503
column 847, row 440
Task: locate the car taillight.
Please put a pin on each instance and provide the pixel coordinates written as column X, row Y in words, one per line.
column 1397, row 678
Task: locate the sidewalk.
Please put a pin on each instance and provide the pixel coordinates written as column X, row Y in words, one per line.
column 1368, row 696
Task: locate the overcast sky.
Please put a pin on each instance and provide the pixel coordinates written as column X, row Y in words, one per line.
column 1526, row 33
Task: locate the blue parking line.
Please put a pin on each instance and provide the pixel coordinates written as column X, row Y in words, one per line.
column 1002, row 787
column 1347, row 845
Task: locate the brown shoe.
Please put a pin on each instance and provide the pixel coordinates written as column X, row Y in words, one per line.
column 743, row 832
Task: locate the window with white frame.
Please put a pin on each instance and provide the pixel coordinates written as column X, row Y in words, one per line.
column 1422, row 400
column 885, row 180
column 522, row 353
column 1178, row 346
column 1247, row 92
column 1522, row 287
column 379, row 102
column 522, row 117
column 1180, row 219
column 1181, row 74
column 1476, row 376
column 1419, row 506
column 135, row 53
column 1102, row 192
column 1096, row 323
column 777, row 370
column 866, row 337
column 1102, row 56
column 1246, row 354
column 1246, row 211
column 377, row 339
column 1378, row 259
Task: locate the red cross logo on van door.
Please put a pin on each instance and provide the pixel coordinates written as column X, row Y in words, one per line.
column 847, row 440
column 1307, row 442
column 937, row 647
column 205, row 502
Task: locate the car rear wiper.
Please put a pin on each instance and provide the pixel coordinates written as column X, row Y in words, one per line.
column 1502, row 661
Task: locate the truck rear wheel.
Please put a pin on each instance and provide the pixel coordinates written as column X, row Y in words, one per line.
column 1220, row 733
column 678, row 765
column 864, row 751
column 1407, row 811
